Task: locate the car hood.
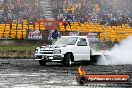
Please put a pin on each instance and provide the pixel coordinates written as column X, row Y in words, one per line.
column 52, row 46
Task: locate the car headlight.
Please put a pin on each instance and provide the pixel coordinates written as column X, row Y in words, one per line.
column 57, row 51
column 36, row 50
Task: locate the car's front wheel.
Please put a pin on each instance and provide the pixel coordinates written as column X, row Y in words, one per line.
column 42, row 62
column 67, row 60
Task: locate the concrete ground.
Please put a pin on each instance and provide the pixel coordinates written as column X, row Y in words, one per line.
column 26, row 73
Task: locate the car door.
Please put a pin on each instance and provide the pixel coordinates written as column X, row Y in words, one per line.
column 82, row 50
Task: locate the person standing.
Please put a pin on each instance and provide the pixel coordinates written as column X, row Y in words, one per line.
column 55, row 35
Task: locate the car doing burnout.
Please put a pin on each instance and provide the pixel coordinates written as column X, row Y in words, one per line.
column 66, row 49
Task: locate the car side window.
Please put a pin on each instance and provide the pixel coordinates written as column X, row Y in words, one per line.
column 82, row 42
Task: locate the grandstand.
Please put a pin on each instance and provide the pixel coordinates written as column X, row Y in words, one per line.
column 86, row 16
column 18, row 31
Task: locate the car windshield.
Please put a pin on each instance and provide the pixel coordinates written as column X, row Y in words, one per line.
column 66, row 41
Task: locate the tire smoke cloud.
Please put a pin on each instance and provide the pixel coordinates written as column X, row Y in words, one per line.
column 120, row 54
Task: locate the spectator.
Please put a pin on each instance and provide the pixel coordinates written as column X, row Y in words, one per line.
column 21, row 9
column 55, row 35
column 90, row 10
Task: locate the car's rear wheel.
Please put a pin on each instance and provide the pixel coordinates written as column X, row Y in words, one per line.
column 94, row 59
column 67, row 60
column 42, row 62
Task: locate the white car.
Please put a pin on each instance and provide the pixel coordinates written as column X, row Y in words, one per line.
column 66, row 49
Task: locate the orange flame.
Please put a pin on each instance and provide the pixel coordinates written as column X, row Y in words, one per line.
column 81, row 71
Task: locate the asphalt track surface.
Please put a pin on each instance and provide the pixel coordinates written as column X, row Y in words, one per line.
column 26, row 73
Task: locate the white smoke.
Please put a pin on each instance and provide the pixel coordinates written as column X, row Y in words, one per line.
column 119, row 54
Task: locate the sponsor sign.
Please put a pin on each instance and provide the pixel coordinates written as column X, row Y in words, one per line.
column 107, row 78
column 74, row 34
column 84, row 78
column 93, row 37
column 35, row 35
